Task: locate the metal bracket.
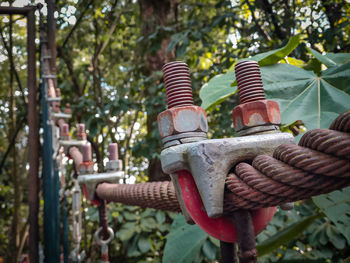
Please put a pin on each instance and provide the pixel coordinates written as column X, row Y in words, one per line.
column 54, row 99
column 66, row 144
column 210, row 161
column 90, row 181
column 49, row 76
column 60, row 115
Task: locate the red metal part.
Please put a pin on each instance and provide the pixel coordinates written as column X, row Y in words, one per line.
column 221, row 228
column 256, row 113
column 178, row 84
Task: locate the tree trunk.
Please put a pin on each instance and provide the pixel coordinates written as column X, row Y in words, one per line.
column 156, row 13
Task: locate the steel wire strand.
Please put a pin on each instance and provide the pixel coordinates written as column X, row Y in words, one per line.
column 328, row 141
column 312, row 161
column 342, row 122
column 158, row 195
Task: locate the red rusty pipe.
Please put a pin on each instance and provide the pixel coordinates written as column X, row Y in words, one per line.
column 77, row 157
column 222, row 227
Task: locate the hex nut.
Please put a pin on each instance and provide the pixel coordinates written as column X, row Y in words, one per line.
column 256, row 113
column 86, row 168
column 114, row 165
column 182, row 119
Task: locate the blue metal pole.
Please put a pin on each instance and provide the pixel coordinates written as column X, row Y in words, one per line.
column 65, row 229
column 48, row 182
column 57, row 211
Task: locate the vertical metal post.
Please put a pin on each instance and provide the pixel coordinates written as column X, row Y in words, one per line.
column 65, row 229
column 57, row 210
column 33, row 140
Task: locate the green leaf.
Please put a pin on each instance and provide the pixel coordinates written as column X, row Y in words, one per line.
column 126, row 232
column 301, row 95
column 143, row 244
column 221, row 86
column 323, row 59
column 160, row 216
column 217, row 89
column 274, row 56
column 336, row 206
column 339, row 58
column 209, row 250
column 184, row 242
column 287, row 234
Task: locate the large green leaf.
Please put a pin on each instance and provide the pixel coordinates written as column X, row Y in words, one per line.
column 287, row 234
column 184, row 242
column 331, row 59
column 273, row 56
column 336, row 206
column 323, row 59
column 222, row 86
column 302, row 95
column 217, row 89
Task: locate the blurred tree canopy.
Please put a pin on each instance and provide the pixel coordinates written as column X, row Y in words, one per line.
column 109, row 59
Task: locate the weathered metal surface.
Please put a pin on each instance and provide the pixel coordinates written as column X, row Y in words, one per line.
column 342, row 122
column 328, row 141
column 81, row 134
column 182, row 119
column 312, row 161
column 256, row 113
column 249, row 82
column 90, row 181
column 221, row 227
column 211, row 160
column 178, row 84
column 113, row 151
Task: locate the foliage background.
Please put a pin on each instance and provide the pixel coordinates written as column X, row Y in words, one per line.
column 110, row 55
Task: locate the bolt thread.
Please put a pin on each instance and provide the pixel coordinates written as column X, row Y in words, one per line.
column 177, row 84
column 86, row 151
column 113, row 151
column 65, row 129
column 249, row 82
column 81, row 131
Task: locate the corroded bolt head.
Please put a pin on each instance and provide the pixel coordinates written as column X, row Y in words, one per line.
column 182, row 119
column 256, row 113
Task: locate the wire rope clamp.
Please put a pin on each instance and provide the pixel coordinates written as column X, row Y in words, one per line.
column 90, row 180
column 210, row 161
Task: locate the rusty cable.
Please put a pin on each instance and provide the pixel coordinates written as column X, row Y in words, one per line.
column 103, row 218
column 158, row 195
column 319, row 165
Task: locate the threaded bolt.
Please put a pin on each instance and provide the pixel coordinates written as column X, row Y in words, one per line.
column 64, row 130
column 113, row 151
column 67, row 109
column 86, row 151
column 249, row 82
column 81, row 131
column 177, row 84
